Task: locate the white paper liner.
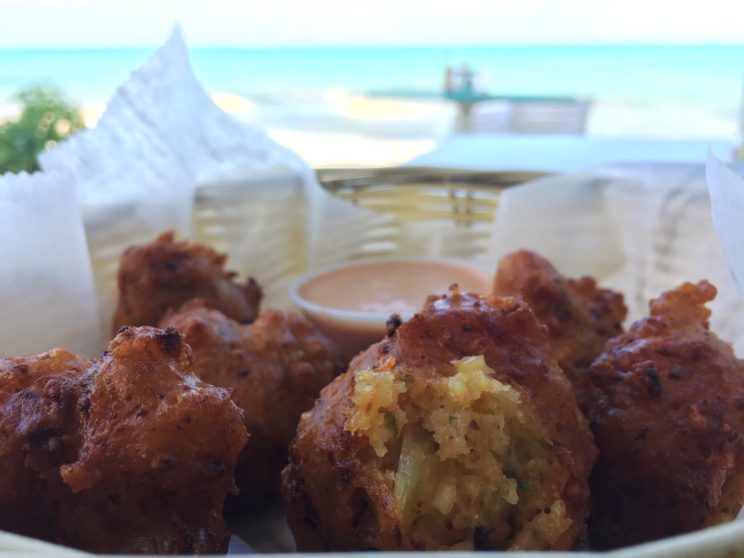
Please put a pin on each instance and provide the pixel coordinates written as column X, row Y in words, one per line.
column 726, row 188
column 565, row 218
column 46, row 284
column 131, row 180
column 160, row 140
column 638, row 229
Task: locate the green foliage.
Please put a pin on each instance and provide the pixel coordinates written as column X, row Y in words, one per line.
column 47, row 117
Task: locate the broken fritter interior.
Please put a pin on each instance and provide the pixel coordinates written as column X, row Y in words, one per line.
column 456, row 432
column 464, row 450
column 579, row 315
column 275, row 369
column 163, row 274
column 127, row 454
column 666, row 411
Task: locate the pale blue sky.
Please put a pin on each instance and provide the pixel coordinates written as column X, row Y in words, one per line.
column 250, row 23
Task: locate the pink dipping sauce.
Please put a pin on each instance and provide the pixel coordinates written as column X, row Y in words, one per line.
column 350, row 303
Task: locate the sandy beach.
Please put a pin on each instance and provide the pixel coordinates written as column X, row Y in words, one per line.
column 360, row 131
column 338, row 128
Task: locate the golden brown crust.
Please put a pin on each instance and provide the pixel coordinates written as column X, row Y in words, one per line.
column 666, row 411
column 164, row 273
column 129, row 454
column 39, row 431
column 336, row 502
column 580, row 317
column 275, row 368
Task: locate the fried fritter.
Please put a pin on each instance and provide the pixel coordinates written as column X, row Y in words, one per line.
column 275, row 368
column 128, row 454
column 163, row 274
column 580, row 317
column 39, row 431
column 666, row 411
column 456, row 431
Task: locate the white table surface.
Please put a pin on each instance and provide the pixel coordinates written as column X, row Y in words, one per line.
column 563, row 153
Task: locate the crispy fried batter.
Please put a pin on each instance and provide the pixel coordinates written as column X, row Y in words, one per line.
column 456, row 431
column 666, row 411
column 163, row 274
column 129, row 454
column 275, row 368
column 39, row 431
column 580, row 317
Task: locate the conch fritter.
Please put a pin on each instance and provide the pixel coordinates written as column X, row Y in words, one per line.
column 275, row 368
column 127, row 454
column 163, row 274
column 458, row 431
column 666, row 411
column 580, row 317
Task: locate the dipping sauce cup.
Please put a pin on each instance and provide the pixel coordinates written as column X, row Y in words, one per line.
column 351, row 302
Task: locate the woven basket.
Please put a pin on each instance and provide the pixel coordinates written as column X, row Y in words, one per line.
column 431, row 212
column 260, row 223
column 421, row 212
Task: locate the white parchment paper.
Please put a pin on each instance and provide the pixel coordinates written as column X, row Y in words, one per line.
column 160, row 145
column 726, row 187
column 639, row 229
column 46, row 283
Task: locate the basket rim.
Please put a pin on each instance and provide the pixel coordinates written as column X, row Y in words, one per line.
column 336, row 178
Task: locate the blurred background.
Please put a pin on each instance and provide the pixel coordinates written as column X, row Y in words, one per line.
column 355, row 82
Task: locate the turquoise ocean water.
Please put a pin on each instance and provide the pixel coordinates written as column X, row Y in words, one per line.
column 702, row 74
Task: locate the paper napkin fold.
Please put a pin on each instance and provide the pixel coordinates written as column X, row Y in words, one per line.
column 160, row 144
